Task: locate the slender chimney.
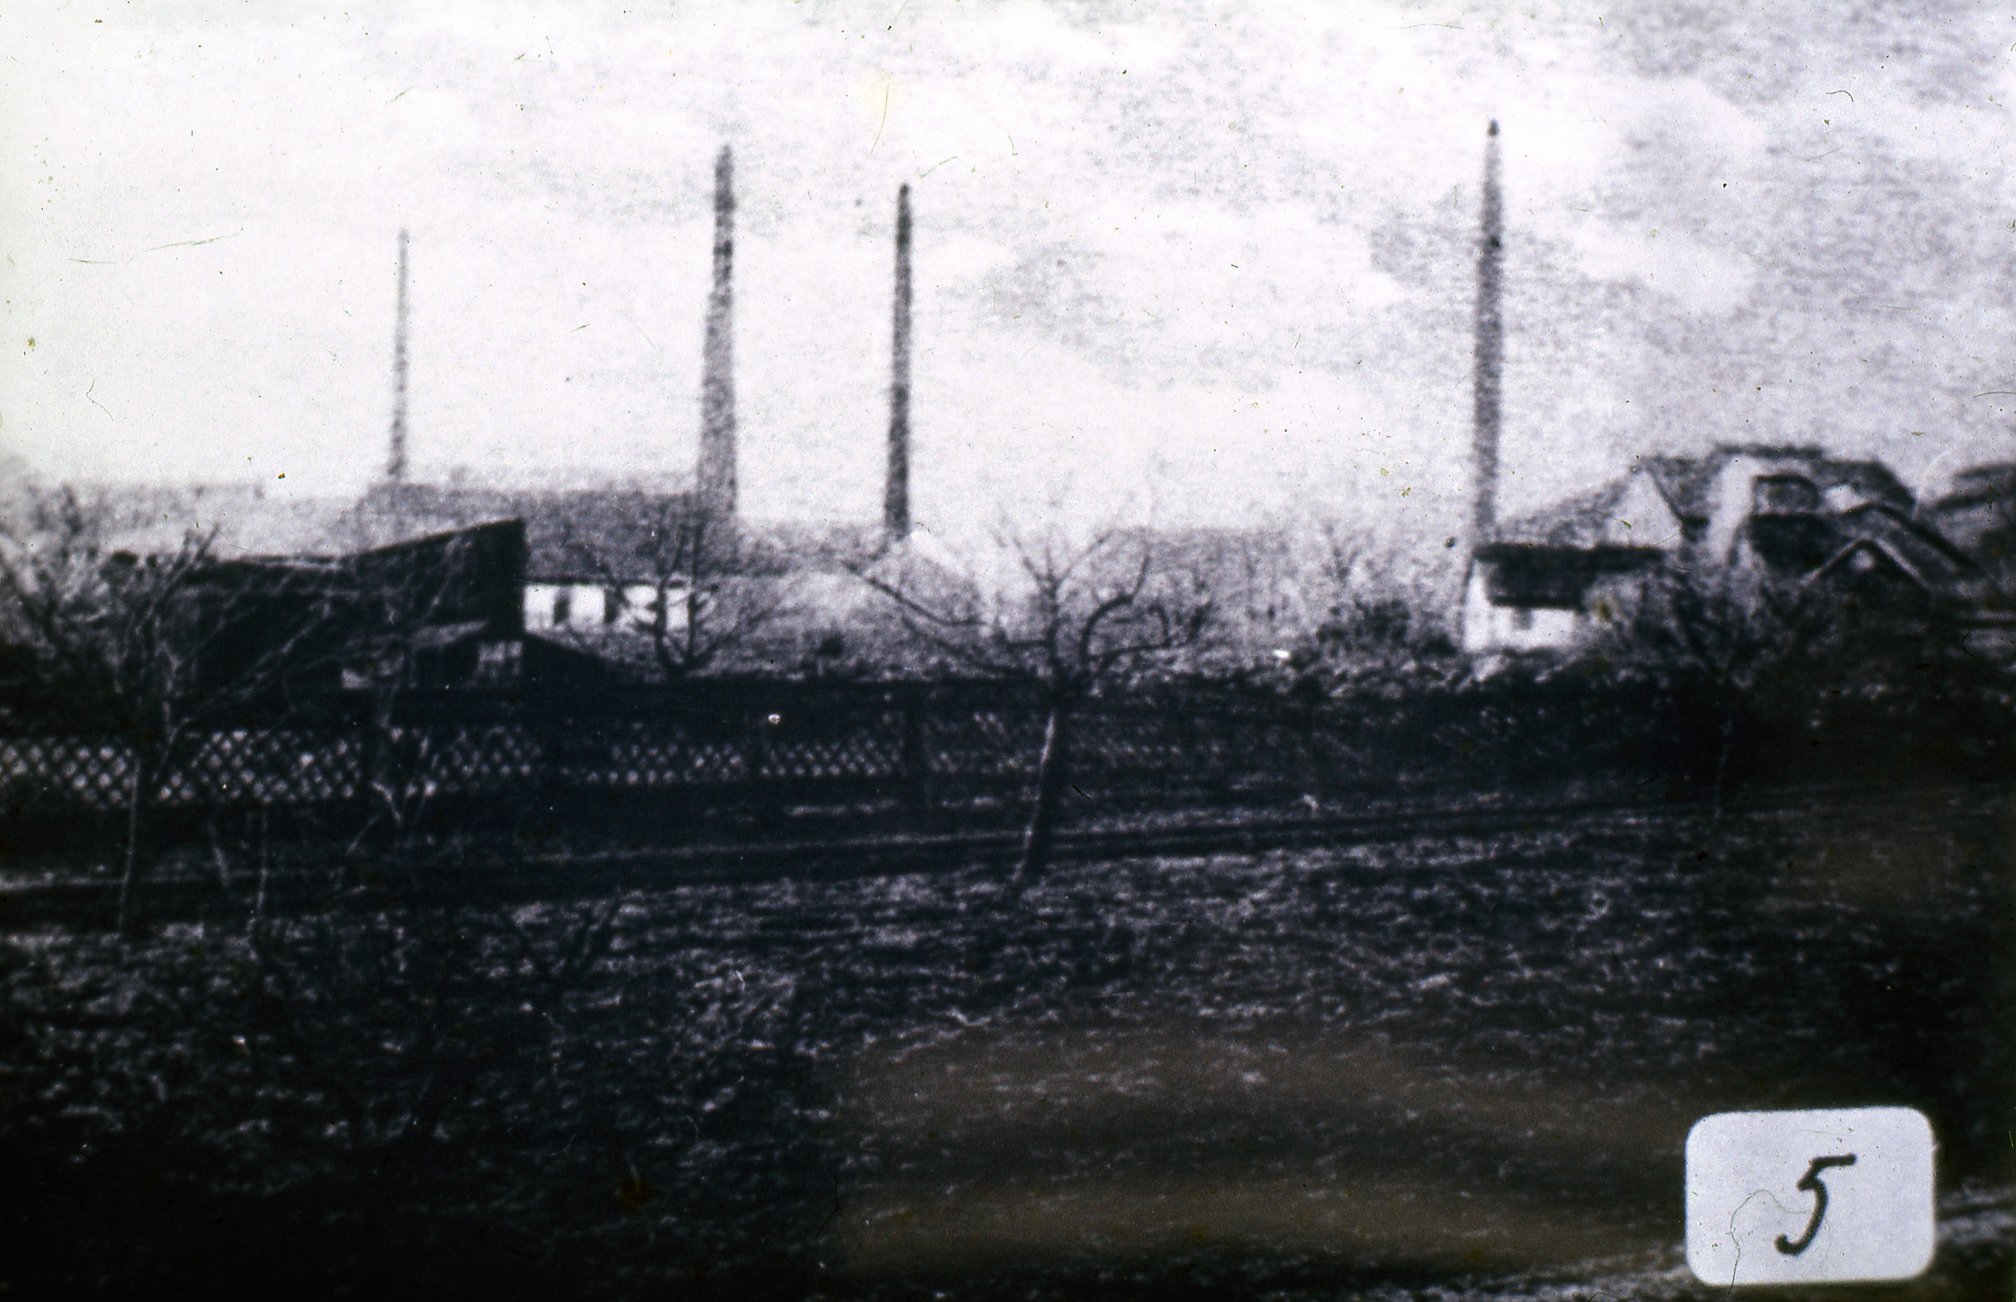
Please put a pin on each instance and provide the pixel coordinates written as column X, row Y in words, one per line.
column 717, row 382
column 395, row 462
column 896, row 500
column 1489, row 357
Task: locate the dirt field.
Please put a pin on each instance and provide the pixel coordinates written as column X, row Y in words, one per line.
column 1437, row 1067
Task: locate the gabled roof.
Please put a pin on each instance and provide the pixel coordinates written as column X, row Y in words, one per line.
column 1933, row 563
column 625, row 533
column 922, row 567
column 1587, row 520
column 569, row 533
column 1686, row 482
column 1543, row 575
column 830, row 547
column 1983, row 485
column 1858, row 554
column 1552, row 556
column 241, row 520
column 1610, row 514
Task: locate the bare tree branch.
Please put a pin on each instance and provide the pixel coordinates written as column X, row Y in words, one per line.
column 1080, row 618
column 705, row 606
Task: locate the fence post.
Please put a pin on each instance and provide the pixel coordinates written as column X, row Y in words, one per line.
column 374, row 726
column 755, row 753
column 552, row 735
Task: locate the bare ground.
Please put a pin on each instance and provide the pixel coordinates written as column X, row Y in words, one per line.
column 1442, row 1065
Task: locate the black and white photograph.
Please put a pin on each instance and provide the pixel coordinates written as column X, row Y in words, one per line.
column 1008, row 649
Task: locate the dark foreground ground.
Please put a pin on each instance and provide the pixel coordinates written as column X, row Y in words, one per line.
column 1445, row 1066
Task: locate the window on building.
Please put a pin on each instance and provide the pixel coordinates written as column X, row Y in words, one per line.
column 563, row 606
column 1522, row 620
column 498, row 662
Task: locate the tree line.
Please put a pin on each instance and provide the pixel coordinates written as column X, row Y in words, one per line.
column 1740, row 660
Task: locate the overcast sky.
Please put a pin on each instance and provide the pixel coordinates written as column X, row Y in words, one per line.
column 1213, row 260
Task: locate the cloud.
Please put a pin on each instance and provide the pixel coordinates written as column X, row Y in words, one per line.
column 1230, row 226
column 1691, row 275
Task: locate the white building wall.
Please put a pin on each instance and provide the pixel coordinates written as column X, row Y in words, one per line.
column 1731, row 496
column 639, row 606
column 1476, row 613
column 551, row 606
column 590, row 607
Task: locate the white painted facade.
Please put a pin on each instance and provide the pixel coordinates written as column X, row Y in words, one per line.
column 555, row 605
column 637, row 605
column 1639, row 519
column 1733, row 495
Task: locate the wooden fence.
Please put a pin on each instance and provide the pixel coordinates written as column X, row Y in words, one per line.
column 761, row 749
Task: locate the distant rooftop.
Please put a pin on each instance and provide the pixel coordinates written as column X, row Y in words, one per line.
column 1979, row 485
column 1588, row 519
column 585, row 533
column 242, row 520
column 1865, row 506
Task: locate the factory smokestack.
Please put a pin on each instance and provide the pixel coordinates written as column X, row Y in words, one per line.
column 896, row 499
column 717, row 382
column 395, row 461
column 1489, row 358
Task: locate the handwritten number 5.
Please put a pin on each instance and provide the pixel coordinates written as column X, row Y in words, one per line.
column 1810, row 1182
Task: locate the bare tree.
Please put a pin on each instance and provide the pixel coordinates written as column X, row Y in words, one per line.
column 151, row 648
column 1079, row 617
column 1374, row 606
column 1991, row 537
column 1747, row 650
column 168, row 650
column 682, row 578
column 1258, row 594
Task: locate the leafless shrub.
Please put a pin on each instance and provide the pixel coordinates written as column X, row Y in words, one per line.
column 152, row 648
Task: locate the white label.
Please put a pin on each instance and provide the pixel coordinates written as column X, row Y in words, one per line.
column 1807, row 1197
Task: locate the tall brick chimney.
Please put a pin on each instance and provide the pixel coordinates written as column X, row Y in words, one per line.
column 896, row 496
column 1488, row 358
column 716, row 474
column 395, row 460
